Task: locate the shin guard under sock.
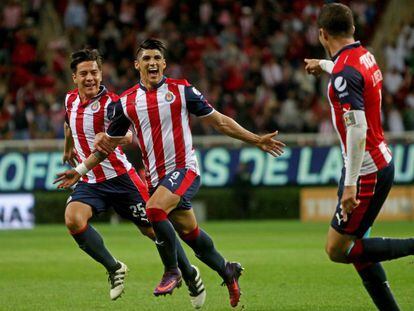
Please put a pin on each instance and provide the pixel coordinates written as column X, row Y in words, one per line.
column 90, row 241
column 375, row 282
column 204, row 249
column 166, row 238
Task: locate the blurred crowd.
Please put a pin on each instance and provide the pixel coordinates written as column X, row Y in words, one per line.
column 245, row 56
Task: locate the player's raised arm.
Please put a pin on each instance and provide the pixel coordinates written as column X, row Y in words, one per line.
column 229, row 127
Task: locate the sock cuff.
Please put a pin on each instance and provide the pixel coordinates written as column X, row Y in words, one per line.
column 356, row 251
column 156, row 214
column 80, row 230
column 359, row 266
column 192, row 235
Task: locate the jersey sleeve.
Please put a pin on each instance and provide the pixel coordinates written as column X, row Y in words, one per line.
column 348, row 85
column 197, row 104
column 119, row 122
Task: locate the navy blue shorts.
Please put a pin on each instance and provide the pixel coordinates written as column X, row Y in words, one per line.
column 118, row 192
column 183, row 182
column 372, row 190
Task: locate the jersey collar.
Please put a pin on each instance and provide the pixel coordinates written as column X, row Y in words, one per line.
column 102, row 91
column 346, row 47
column 162, row 81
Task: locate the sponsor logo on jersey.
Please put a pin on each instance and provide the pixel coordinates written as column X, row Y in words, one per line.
column 95, row 106
column 340, row 84
column 169, row 97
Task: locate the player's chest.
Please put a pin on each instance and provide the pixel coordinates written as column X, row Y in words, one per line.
column 89, row 116
column 159, row 107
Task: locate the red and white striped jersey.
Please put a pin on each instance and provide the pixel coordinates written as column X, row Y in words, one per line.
column 356, row 84
column 85, row 121
column 161, row 121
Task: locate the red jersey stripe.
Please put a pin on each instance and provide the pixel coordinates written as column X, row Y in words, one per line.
column 81, row 135
column 141, row 186
column 98, row 126
column 179, row 144
column 156, row 132
column 131, row 110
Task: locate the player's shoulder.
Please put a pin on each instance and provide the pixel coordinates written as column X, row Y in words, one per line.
column 113, row 96
column 72, row 92
column 177, row 81
column 71, row 96
column 129, row 91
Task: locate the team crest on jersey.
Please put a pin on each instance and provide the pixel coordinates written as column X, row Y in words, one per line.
column 169, row 97
column 95, row 106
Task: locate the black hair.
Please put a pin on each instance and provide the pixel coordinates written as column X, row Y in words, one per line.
column 85, row 55
column 337, row 20
column 151, row 44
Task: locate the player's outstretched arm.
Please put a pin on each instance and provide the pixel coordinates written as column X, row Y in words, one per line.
column 70, row 177
column 229, row 127
column 317, row 66
column 104, row 146
column 69, row 155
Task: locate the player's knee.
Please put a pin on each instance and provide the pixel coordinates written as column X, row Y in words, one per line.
column 335, row 254
column 74, row 222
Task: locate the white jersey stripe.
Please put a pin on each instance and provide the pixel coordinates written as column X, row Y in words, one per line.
column 166, row 128
column 143, row 117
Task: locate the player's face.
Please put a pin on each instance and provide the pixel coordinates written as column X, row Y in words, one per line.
column 151, row 65
column 87, row 78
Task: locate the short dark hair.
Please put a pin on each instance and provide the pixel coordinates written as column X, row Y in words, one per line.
column 151, row 44
column 337, row 20
column 85, row 55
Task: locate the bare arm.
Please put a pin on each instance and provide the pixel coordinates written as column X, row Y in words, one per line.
column 68, row 147
column 103, row 143
column 127, row 139
column 229, row 127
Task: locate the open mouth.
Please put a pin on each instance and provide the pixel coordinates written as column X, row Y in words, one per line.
column 153, row 73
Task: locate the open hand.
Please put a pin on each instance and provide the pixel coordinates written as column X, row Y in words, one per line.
column 270, row 145
column 348, row 201
column 67, row 179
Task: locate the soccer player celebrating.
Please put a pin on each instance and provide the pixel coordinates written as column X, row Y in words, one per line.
column 354, row 93
column 113, row 182
column 158, row 108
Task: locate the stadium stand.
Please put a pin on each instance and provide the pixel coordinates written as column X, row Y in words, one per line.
column 246, row 56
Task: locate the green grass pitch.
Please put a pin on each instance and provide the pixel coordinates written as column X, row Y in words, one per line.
column 285, row 269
